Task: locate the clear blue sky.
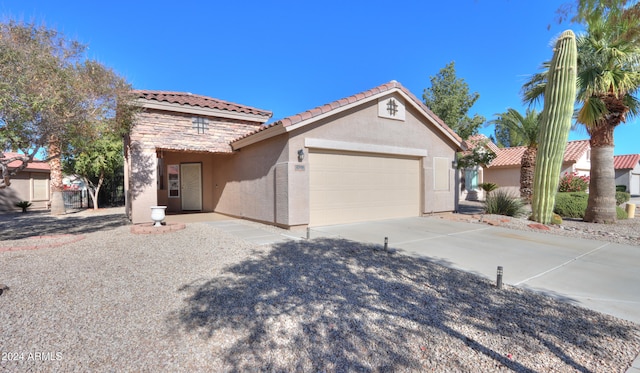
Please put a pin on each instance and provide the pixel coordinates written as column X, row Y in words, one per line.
column 290, row 56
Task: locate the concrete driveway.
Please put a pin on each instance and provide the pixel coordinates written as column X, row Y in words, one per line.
column 598, row 275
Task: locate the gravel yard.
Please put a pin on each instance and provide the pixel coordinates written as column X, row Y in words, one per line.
column 201, row 300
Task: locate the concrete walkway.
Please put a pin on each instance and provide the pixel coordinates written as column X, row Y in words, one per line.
column 598, row 275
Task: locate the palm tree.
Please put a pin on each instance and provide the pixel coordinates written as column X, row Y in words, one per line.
column 608, row 81
column 525, row 128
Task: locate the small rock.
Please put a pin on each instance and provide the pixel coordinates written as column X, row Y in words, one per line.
column 541, row 227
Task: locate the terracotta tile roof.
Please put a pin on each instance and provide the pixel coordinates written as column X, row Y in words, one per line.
column 475, row 140
column 508, row 156
column 628, row 161
column 575, row 150
column 35, row 165
column 324, row 109
column 512, row 156
column 186, row 98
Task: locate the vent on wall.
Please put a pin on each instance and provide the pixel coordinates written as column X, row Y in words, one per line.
column 392, row 108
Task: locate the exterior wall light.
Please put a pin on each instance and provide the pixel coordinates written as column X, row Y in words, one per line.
column 300, row 155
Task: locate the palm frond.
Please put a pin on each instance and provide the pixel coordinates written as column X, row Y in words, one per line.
column 532, row 90
column 592, row 111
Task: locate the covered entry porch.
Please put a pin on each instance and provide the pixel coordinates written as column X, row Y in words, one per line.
column 187, row 182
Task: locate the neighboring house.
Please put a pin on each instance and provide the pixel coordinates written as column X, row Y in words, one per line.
column 504, row 170
column 374, row 155
column 627, row 171
column 472, row 177
column 31, row 184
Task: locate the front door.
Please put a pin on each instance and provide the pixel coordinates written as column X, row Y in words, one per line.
column 191, row 178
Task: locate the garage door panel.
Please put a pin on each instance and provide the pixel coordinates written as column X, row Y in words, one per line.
column 350, row 187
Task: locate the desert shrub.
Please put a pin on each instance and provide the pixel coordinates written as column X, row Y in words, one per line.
column 501, row 202
column 622, row 197
column 574, row 205
column 571, row 204
column 621, row 188
column 488, row 187
column 620, row 213
column 24, row 205
column 572, row 182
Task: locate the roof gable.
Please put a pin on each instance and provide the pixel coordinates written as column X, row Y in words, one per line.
column 310, row 116
column 625, row 162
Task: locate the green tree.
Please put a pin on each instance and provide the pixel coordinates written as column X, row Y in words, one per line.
column 608, row 83
column 505, row 138
column 525, row 128
column 97, row 162
column 51, row 95
column 449, row 98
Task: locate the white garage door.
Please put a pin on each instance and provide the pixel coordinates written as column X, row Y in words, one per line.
column 352, row 187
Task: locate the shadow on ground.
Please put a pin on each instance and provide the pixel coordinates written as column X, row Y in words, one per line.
column 19, row 226
column 336, row 305
column 471, row 207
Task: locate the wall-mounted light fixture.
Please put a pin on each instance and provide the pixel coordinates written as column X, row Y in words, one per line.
column 300, row 155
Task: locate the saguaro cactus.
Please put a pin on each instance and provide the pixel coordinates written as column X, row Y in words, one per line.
column 559, row 99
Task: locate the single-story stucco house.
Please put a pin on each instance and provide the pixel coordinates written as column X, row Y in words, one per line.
column 504, row 170
column 377, row 154
column 627, row 171
column 32, row 184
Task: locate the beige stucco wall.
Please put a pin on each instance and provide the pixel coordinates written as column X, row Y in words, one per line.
column 507, row 178
column 141, row 191
column 630, row 178
column 582, row 166
column 21, row 189
column 253, row 182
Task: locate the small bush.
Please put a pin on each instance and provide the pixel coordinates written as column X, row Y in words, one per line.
column 571, row 205
column 622, row 197
column 488, row 187
column 572, row 182
column 574, row 205
column 502, row 203
column 620, row 213
column 621, row 188
column 24, row 205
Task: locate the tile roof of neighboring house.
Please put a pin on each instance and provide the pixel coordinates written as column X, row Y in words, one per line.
column 474, row 140
column 575, row 150
column 35, row 165
column 508, row 156
column 324, row 109
column 628, row 161
column 512, row 156
column 186, row 98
